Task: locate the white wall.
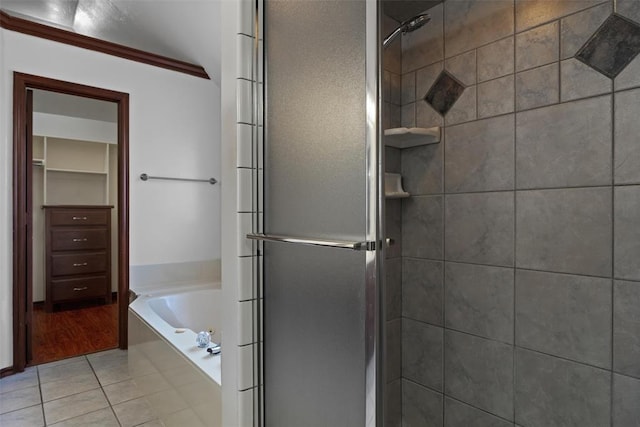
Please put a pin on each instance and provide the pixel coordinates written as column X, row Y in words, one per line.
column 230, row 15
column 174, row 131
column 74, row 128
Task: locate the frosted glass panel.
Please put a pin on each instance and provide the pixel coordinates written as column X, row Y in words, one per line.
column 315, row 112
column 314, row 336
column 315, row 186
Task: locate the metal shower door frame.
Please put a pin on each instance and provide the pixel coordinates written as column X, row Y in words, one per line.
column 375, row 213
column 375, row 319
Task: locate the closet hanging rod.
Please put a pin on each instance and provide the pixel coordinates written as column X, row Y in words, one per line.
column 146, row 177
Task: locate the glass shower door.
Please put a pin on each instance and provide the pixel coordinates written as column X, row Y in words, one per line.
column 321, row 214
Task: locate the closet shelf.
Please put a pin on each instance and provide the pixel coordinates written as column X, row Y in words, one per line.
column 76, row 171
column 411, row 137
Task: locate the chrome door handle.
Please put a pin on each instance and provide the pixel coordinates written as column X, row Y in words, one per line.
column 79, row 240
column 340, row 244
column 76, row 218
column 84, row 288
column 84, row 264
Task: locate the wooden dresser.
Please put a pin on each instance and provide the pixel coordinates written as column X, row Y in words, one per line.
column 78, row 253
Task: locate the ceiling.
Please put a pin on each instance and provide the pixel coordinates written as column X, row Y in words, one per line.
column 74, row 106
column 187, row 30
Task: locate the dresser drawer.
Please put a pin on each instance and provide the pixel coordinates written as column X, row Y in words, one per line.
column 79, row 217
column 81, row 239
column 69, row 264
column 70, row 289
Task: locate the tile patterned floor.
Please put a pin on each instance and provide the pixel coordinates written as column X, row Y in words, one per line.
column 92, row 390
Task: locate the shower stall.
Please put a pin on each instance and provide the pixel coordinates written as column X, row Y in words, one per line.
column 448, row 230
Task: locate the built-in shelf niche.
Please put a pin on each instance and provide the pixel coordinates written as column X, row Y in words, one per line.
column 405, row 138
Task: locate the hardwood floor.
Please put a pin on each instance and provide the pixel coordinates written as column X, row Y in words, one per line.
column 73, row 332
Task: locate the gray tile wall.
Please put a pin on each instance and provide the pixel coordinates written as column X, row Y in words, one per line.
column 520, row 272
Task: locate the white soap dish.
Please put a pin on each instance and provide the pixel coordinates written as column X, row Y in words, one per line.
column 411, row 137
column 393, row 186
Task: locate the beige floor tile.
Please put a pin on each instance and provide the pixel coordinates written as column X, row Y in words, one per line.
column 27, row 417
column 115, row 352
column 61, row 372
column 154, row 423
column 109, row 360
column 101, row 418
column 112, row 375
column 134, row 412
column 62, row 362
column 68, row 386
column 28, row 378
column 74, row 406
column 18, row 399
column 112, row 368
column 122, row 391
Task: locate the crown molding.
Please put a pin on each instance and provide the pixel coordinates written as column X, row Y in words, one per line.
column 31, row 28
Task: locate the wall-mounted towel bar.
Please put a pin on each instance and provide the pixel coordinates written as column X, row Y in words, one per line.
column 340, row 244
column 146, row 177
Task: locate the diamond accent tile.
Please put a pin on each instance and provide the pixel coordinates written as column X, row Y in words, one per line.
column 444, row 93
column 612, row 47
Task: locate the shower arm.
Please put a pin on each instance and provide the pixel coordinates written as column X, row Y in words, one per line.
column 391, row 37
column 407, row 26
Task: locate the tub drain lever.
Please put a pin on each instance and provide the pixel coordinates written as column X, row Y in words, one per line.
column 214, row 349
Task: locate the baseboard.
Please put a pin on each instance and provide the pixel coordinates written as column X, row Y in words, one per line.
column 4, row 372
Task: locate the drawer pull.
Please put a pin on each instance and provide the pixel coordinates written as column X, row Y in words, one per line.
column 84, row 288
column 83, row 264
column 77, row 218
column 80, row 240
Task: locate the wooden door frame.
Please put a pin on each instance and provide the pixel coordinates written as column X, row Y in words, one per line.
column 22, row 192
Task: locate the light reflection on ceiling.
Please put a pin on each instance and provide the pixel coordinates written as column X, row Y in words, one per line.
column 186, row 30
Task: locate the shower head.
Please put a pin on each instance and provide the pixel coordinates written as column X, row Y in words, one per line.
column 407, row 26
column 415, row 22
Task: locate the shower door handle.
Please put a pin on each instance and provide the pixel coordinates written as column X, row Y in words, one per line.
column 340, row 244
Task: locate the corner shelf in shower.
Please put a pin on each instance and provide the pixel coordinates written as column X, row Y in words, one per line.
column 393, row 186
column 411, row 137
